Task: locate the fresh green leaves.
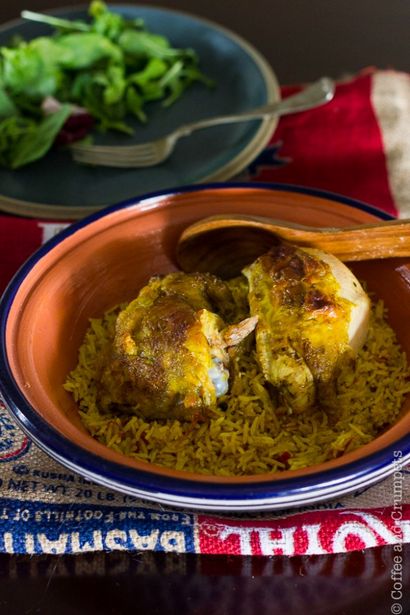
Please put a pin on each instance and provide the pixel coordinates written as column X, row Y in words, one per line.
column 105, row 22
column 85, row 50
column 143, row 45
column 25, row 71
column 56, row 22
column 111, row 66
column 7, row 106
column 22, row 140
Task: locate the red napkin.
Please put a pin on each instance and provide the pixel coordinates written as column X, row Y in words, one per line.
column 356, row 145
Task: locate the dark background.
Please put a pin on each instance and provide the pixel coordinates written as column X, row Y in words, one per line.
column 146, row 583
column 302, row 39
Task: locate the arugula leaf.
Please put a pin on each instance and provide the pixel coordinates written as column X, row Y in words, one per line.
column 154, row 69
column 148, row 80
column 36, row 145
column 113, row 83
column 23, row 140
column 57, row 22
column 144, row 44
column 51, row 51
column 85, row 50
column 105, row 22
column 92, row 90
column 135, row 104
column 175, row 85
column 12, row 129
column 7, row 106
column 25, row 71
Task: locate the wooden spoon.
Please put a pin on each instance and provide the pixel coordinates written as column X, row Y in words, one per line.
column 224, row 244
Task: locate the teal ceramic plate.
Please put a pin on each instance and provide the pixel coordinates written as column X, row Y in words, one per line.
column 58, row 187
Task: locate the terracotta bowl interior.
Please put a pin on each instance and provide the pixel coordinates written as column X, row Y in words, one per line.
column 107, row 262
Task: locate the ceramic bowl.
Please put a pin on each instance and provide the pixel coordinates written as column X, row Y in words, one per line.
column 103, row 260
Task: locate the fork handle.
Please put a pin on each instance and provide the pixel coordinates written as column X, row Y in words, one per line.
column 314, row 95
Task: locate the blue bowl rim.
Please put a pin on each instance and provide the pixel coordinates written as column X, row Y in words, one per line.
column 59, row 447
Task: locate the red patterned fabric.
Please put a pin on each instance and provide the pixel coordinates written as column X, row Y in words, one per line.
column 337, row 147
column 319, row 532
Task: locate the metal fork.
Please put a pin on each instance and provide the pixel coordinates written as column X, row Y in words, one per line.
column 152, row 153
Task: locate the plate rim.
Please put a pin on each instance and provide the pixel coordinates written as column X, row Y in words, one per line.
column 228, row 170
column 181, row 492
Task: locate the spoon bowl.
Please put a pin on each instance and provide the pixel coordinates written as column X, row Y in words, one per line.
column 224, row 244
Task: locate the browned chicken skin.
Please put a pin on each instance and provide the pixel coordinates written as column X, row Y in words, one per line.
column 170, row 356
column 312, row 316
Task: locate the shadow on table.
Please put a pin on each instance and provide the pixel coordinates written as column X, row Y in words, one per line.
column 146, row 582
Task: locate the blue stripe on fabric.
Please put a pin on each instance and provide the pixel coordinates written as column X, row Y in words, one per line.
column 35, row 527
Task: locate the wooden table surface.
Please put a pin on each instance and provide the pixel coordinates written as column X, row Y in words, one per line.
column 357, row 583
column 302, row 40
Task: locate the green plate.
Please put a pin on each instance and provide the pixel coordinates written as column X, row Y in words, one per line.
column 57, row 187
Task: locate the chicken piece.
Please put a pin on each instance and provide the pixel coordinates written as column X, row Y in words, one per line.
column 170, row 356
column 312, row 317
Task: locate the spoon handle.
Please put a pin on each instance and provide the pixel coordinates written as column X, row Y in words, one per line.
column 384, row 239
column 369, row 241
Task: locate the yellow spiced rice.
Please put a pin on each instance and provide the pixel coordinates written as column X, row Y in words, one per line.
column 249, row 433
